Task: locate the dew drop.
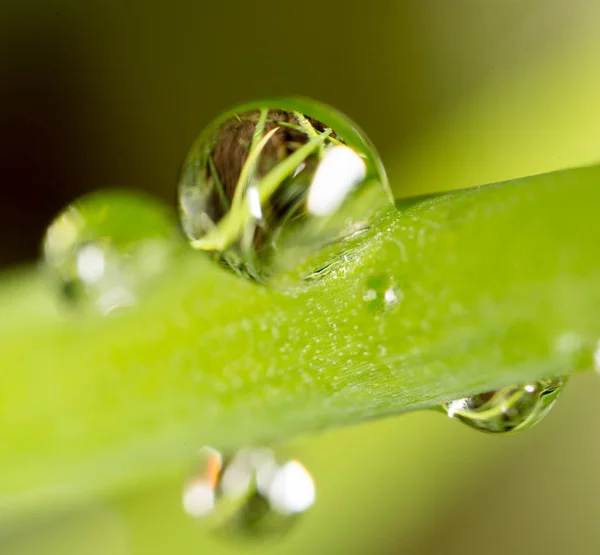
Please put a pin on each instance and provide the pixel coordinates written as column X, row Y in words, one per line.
column 279, row 186
column 249, row 494
column 381, row 293
column 105, row 248
column 509, row 409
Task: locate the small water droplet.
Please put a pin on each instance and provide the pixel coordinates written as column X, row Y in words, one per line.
column 382, row 293
column 106, row 247
column 248, row 494
column 509, row 409
column 277, row 186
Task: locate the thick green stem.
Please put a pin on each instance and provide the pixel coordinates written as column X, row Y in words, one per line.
column 485, row 287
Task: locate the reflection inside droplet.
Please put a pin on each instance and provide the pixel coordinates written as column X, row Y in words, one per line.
column 509, row 409
column 114, row 298
column 254, row 202
column 339, row 172
column 90, row 263
column 457, row 406
column 278, row 186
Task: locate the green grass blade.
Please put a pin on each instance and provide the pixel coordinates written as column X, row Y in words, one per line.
column 306, row 126
column 330, row 139
column 256, row 147
column 232, row 223
column 218, row 184
column 495, row 285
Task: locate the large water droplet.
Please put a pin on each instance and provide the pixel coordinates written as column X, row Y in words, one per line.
column 276, row 186
column 248, row 494
column 105, row 248
column 509, row 409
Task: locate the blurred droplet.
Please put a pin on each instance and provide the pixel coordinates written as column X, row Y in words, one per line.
column 199, row 494
column 291, row 489
column 597, row 357
column 249, row 494
column 277, row 186
column 381, row 293
column 105, row 248
column 509, row 409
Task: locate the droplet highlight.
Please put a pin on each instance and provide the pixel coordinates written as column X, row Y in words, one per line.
column 278, row 186
column 249, row 494
column 106, row 248
column 597, row 357
column 509, row 409
column 199, row 495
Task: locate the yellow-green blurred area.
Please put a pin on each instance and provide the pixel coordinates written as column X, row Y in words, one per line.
column 454, row 94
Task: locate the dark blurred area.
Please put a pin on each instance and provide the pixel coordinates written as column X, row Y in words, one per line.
column 96, row 94
column 101, row 94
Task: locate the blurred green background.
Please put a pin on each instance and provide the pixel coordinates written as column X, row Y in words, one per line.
column 454, row 94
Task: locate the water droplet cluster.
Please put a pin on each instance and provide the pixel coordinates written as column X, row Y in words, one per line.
column 509, row 409
column 270, row 189
column 247, row 494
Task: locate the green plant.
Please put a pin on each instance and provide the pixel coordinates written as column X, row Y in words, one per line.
column 492, row 286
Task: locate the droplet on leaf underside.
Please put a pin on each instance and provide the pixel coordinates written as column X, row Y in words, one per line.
column 106, row 248
column 276, row 186
column 509, row 409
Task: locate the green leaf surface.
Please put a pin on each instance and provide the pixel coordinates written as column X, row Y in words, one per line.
column 491, row 286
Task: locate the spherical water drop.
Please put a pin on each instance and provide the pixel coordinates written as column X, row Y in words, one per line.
column 277, row 186
column 509, row 409
column 105, row 248
column 248, row 494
